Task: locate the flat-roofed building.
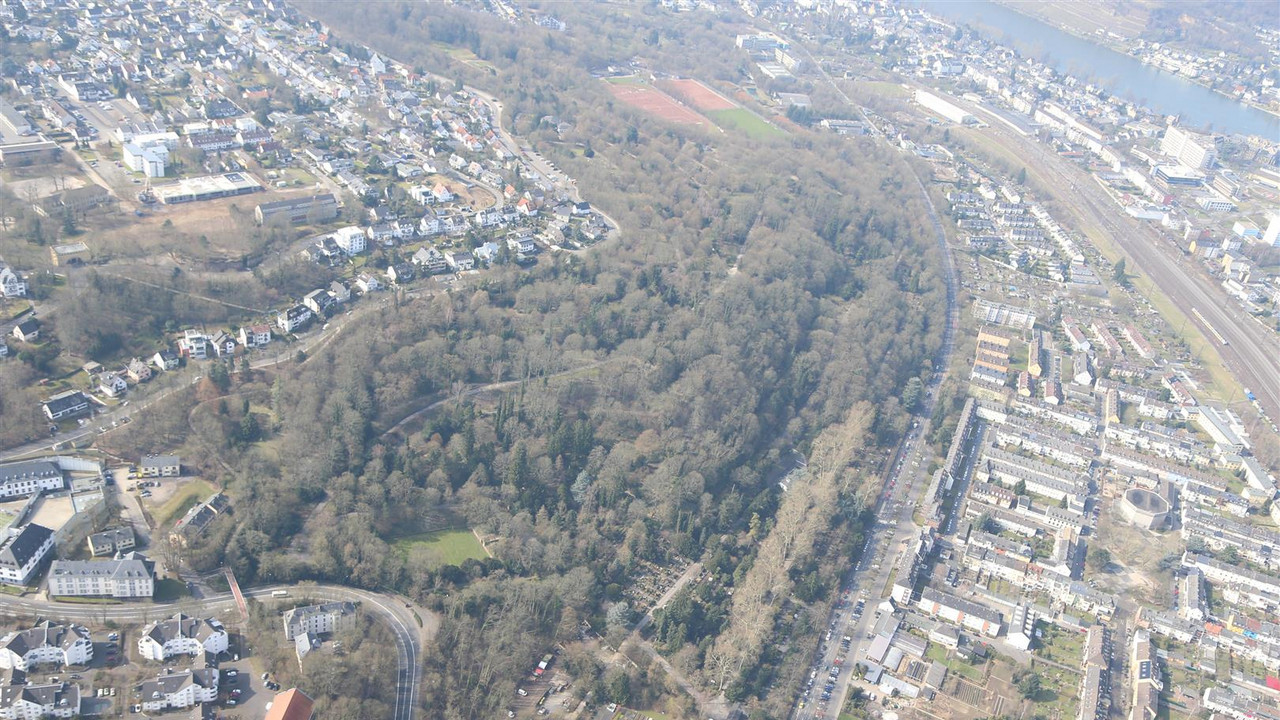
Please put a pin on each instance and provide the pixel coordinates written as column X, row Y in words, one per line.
column 309, row 209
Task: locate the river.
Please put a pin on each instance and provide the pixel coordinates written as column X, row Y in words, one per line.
column 1123, row 76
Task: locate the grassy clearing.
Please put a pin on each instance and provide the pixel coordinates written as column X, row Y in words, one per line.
column 625, row 80
column 745, row 122
column 183, row 499
column 937, row 653
column 169, row 590
column 444, row 547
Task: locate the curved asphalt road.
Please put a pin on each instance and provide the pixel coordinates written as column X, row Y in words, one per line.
column 389, row 609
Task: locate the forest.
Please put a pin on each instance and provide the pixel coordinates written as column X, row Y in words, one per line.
column 763, row 295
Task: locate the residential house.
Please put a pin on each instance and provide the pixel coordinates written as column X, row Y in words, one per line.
column 47, row 643
column 182, row 635
column 39, row 700
column 255, row 336
column 153, row 466
column 521, row 244
column 111, row 384
column 318, row 619
column 198, row 518
column 112, row 540
column 195, row 345
column 400, row 273
column 351, row 240
column 294, row 318
column 28, row 330
column 382, row 233
column 318, row 301
column 965, row 613
column 11, row 283
column 139, row 371
column 224, row 346
column 129, row 576
column 340, row 291
column 66, row 405
column 487, row 253
column 166, row 360
column 460, row 261
column 292, row 704
column 367, row 283
column 430, row 260
column 22, row 553
column 179, row 690
column 1147, row 681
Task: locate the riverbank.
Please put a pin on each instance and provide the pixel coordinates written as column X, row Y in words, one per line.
column 1122, row 43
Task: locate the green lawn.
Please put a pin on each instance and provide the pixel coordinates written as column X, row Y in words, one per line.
column 625, row 80
column 744, row 121
column 169, row 589
column 195, row 491
column 447, row 547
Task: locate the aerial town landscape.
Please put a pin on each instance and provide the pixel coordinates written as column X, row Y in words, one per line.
column 728, row 359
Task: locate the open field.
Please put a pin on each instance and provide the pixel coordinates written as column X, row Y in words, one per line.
column 746, row 122
column 699, row 96
column 656, row 103
column 446, row 547
column 182, row 498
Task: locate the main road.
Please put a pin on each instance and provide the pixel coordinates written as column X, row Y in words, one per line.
column 391, row 610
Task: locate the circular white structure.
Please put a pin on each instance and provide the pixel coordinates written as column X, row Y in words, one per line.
column 1144, row 509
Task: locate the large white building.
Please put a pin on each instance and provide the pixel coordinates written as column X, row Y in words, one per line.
column 130, row 576
column 955, row 114
column 182, row 635
column 46, row 644
column 30, row 477
column 1191, row 149
column 22, row 552
column 318, row 619
column 31, row 702
column 150, row 160
column 179, row 690
column 351, row 240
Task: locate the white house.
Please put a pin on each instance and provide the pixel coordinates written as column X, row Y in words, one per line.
column 255, row 336
column 367, row 283
column 165, row 360
column 22, row 553
column 11, row 284
column 47, row 643
column 111, row 384
column 182, row 635
column 460, row 261
column 179, row 690
column 293, row 318
column 195, row 345
column 351, row 240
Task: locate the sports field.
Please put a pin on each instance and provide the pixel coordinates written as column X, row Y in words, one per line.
column 444, row 547
column 656, row 103
column 746, row 122
column 700, row 96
